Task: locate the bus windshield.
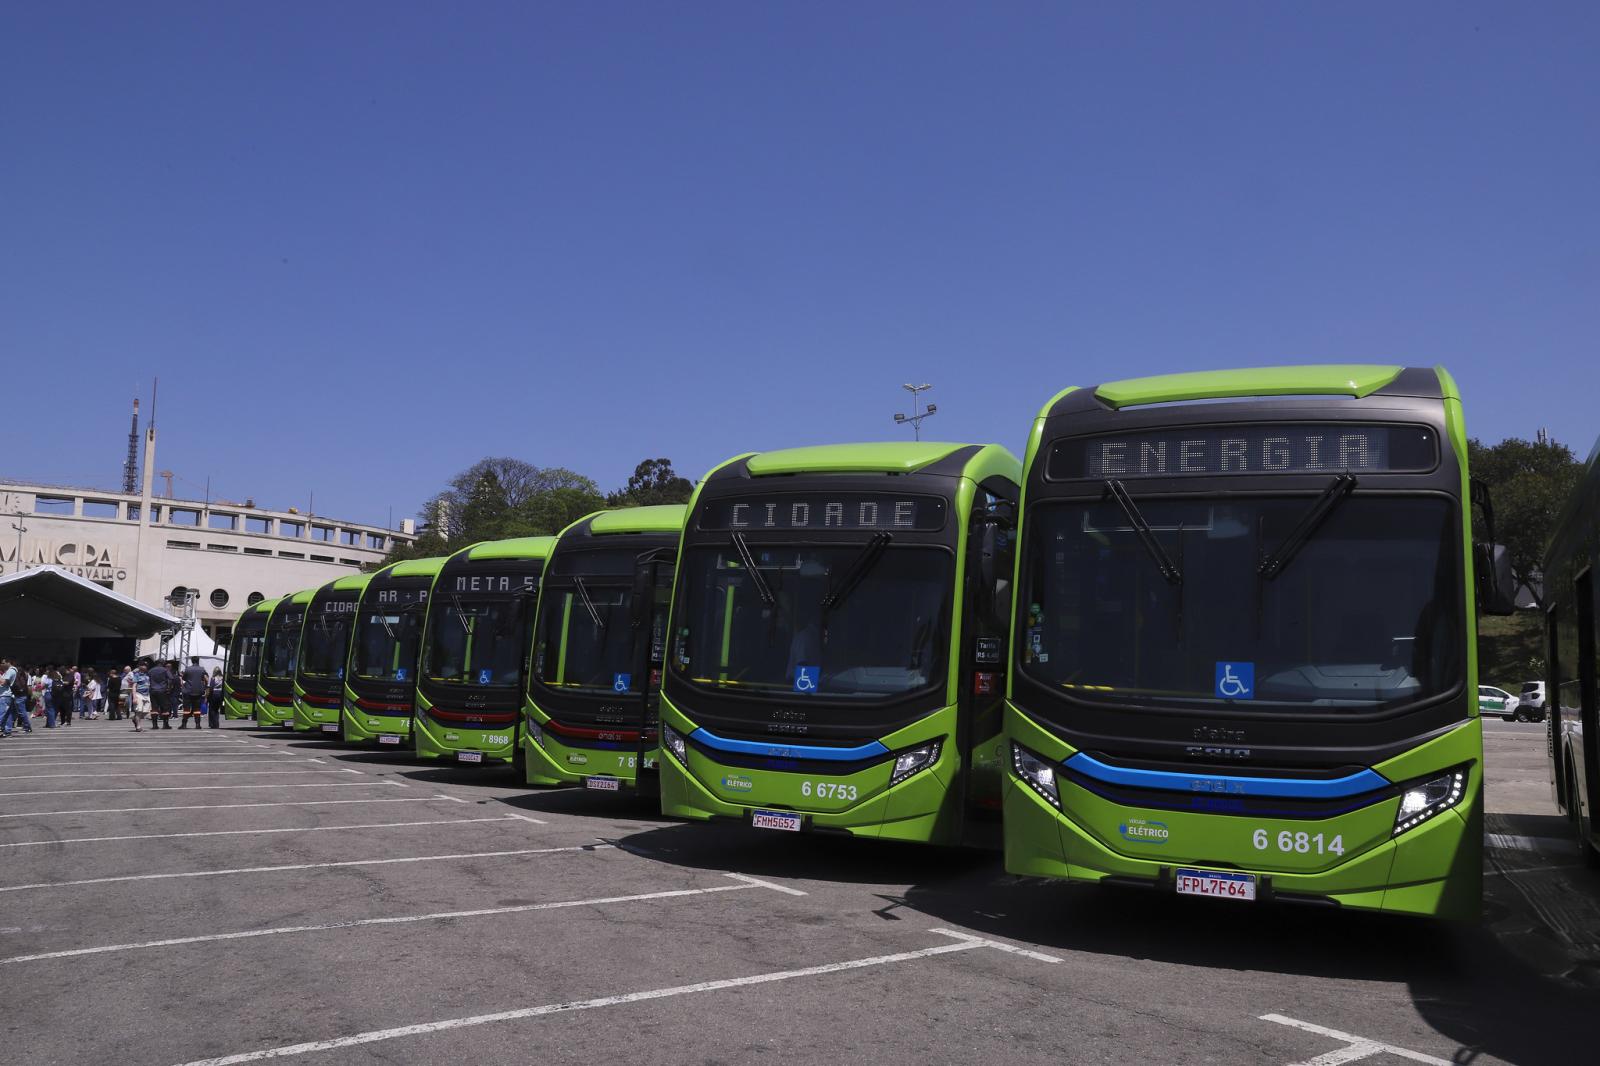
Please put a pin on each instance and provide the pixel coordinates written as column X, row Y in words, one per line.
column 386, row 645
column 323, row 646
column 792, row 632
column 586, row 640
column 283, row 644
column 476, row 641
column 245, row 652
column 1366, row 614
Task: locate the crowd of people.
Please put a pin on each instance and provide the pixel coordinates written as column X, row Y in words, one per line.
column 153, row 690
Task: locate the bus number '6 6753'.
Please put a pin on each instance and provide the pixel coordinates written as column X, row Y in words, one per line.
column 827, row 790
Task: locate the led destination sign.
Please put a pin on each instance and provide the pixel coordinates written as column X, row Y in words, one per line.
column 1267, row 448
column 825, row 511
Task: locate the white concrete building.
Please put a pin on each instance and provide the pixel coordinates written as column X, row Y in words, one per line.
column 153, row 548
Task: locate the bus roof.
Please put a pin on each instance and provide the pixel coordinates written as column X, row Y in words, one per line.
column 348, row 583
column 428, row 567
column 1356, row 380
column 303, row 596
column 263, row 606
column 657, row 518
column 884, row 457
column 515, row 548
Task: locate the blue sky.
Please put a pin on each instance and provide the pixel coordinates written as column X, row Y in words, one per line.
column 366, row 244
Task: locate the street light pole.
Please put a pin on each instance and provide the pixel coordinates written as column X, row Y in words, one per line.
column 916, row 417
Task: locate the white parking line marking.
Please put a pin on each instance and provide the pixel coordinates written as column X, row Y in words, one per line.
column 452, row 799
column 526, row 818
column 401, row 919
column 247, row 832
column 1358, row 1047
column 173, row 773
column 1532, row 870
column 999, row 945
column 1509, row 842
column 768, row 884
column 376, row 1035
column 200, row 788
column 304, row 866
column 219, row 806
column 165, row 753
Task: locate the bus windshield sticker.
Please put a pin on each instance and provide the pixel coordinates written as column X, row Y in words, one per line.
column 485, row 676
column 401, row 673
column 806, row 678
column 1236, row 681
column 621, row 682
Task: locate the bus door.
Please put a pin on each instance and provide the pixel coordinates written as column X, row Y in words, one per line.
column 1588, row 700
column 985, row 624
column 648, row 606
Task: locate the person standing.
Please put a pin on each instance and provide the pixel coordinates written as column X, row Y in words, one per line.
column 92, row 698
column 137, row 685
column 66, row 699
column 78, row 707
column 8, row 678
column 195, row 684
column 161, row 680
column 113, row 694
column 214, row 699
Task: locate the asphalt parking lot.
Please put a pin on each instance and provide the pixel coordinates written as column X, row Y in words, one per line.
column 239, row 895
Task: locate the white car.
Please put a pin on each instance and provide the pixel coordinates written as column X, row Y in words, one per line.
column 1531, row 705
column 1493, row 700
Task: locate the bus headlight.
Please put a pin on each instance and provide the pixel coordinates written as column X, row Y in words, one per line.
column 914, row 761
column 1424, row 799
column 672, row 740
column 1035, row 773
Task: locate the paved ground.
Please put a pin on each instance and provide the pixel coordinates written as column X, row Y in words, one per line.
column 238, row 895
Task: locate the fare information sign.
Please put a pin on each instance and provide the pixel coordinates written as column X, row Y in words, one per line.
column 1260, row 448
column 825, row 511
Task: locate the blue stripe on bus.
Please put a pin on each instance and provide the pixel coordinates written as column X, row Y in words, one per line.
column 871, row 749
column 1226, row 784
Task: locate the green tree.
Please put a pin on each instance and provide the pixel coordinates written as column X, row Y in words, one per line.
column 1529, row 482
column 553, row 510
column 486, row 510
column 653, row 481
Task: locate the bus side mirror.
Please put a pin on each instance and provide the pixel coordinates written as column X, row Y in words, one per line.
column 222, row 640
column 1497, row 588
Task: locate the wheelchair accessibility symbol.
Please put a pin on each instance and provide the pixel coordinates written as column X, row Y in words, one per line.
column 806, row 678
column 1236, row 681
column 621, row 682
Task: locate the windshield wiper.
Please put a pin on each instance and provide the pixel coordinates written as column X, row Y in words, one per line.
column 762, row 588
column 1169, row 569
column 1315, row 515
column 461, row 614
column 864, row 561
column 588, row 602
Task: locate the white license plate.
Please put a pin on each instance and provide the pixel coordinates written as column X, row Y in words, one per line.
column 1215, row 883
column 469, row 756
column 603, row 784
column 775, row 820
column 329, row 727
column 388, row 738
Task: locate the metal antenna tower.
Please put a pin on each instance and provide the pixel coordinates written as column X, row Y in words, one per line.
column 175, row 642
column 915, row 417
column 130, row 465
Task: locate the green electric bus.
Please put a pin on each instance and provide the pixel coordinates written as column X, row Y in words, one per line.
column 244, row 658
column 380, row 680
column 1244, row 646
column 838, row 633
column 598, row 646
column 1572, row 684
column 324, row 648
column 280, row 648
column 474, row 646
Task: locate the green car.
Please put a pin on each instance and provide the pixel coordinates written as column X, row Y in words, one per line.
column 1493, row 700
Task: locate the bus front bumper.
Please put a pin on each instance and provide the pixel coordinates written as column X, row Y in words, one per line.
column 435, row 740
column 553, row 761
column 363, row 728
